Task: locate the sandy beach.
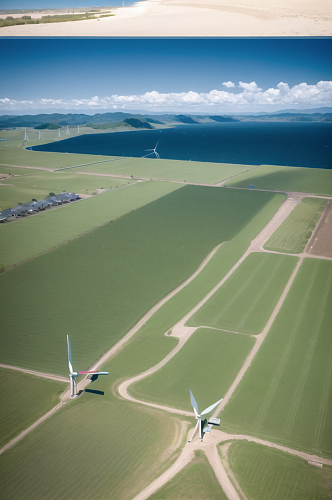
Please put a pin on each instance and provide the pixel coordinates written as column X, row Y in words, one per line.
column 167, row 18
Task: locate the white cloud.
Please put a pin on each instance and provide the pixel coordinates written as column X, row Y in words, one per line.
column 252, row 97
column 250, row 87
column 229, row 84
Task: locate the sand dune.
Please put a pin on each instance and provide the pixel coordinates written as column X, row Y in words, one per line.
column 198, row 18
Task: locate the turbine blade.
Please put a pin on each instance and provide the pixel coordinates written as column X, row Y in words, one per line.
column 156, row 145
column 70, row 363
column 198, row 421
column 193, row 403
column 210, row 408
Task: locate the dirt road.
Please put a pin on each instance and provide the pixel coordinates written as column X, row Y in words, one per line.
column 57, row 378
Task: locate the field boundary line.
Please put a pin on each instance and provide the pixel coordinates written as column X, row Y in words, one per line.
column 31, row 428
column 56, row 378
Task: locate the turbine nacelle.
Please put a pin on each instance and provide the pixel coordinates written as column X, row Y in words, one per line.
column 198, row 415
column 72, row 375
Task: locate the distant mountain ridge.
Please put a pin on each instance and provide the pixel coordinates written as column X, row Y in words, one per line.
column 136, row 119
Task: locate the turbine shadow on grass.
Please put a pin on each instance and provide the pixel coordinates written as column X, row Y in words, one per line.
column 93, row 391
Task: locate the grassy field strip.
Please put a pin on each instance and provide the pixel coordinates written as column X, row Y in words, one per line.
column 195, row 481
column 174, row 170
column 245, row 302
column 271, row 473
column 36, row 374
column 24, row 399
column 297, row 179
column 92, row 163
column 260, row 338
column 24, row 433
column 28, row 158
column 285, row 400
column 27, row 238
column 294, row 233
column 101, row 441
column 167, row 383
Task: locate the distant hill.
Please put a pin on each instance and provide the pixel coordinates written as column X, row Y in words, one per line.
column 49, row 126
column 138, row 123
column 57, row 120
column 222, row 119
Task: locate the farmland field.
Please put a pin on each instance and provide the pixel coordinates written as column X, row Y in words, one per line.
column 24, row 399
column 246, row 300
column 305, row 180
column 39, row 184
column 265, row 473
column 294, row 233
column 207, row 365
column 89, row 449
column 109, row 280
column 26, row 158
column 175, row 170
column 28, row 237
column 196, row 481
column 18, row 170
column 286, row 396
column 149, row 345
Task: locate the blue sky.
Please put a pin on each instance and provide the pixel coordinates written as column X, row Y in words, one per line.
column 165, row 74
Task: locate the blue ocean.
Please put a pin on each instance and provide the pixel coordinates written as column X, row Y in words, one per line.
column 255, row 143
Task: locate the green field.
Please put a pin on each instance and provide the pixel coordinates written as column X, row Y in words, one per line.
column 196, row 481
column 268, row 474
column 304, row 180
column 286, row 396
column 294, row 233
column 246, row 300
column 25, row 238
column 99, row 285
column 39, row 184
column 94, row 448
column 18, row 170
column 26, row 158
column 207, row 364
column 175, row 170
column 24, row 399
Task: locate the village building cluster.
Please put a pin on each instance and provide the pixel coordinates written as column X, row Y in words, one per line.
column 24, row 209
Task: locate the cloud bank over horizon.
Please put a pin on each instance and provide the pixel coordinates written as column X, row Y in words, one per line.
column 243, row 97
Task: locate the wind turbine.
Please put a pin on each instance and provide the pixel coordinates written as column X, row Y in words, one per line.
column 67, row 133
column 39, row 137
column 78, row 129
column 198, row 415
column 26, row 138
column 73, row 375
column 59, row 135
column 153, row 151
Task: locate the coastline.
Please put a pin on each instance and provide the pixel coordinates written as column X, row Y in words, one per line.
column 195, row 18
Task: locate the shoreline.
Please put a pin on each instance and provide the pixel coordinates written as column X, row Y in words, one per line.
column 167, row 18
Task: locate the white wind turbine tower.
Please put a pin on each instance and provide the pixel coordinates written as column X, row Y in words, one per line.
column 78, row 129
column 39, row 137
column 26, row 138
column 153, row 152
column 59, row 135
column 73, row 375
column 67, row 133
column 199, row 415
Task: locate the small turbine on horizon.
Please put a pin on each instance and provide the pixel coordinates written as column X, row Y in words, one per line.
column 39, row 137
column 26, row 138
column 199, row 415
column 73, row 375
column 78, row 129
column 59, row 135
column 154, row 151
column 67, row 133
